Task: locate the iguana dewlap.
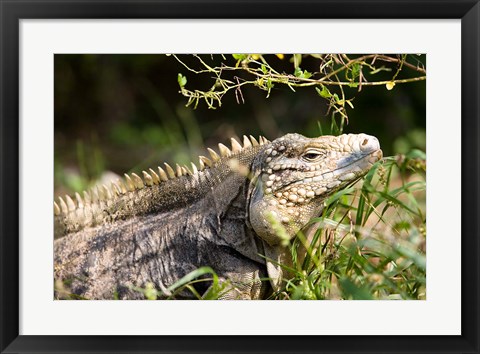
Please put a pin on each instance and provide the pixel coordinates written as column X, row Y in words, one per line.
column 224, row 214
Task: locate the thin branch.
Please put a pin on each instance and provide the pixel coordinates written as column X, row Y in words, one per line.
column 378, row 83
column 266, row 76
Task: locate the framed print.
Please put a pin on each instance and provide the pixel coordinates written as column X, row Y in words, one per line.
column 95, row 96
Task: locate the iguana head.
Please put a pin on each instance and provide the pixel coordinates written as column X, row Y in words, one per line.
column 293, row 175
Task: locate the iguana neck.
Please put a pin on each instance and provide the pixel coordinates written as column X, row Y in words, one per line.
column 154, row 195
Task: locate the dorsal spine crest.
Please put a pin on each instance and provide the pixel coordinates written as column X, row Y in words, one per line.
column 99, row 197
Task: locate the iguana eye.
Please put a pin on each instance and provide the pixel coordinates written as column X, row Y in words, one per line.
column 312, row 155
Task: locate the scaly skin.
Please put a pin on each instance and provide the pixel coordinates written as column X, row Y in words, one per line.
column 159, row 228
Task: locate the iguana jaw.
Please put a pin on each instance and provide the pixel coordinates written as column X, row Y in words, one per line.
column 299, row 173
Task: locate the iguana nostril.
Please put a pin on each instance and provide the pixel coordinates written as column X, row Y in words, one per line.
column 369, row 144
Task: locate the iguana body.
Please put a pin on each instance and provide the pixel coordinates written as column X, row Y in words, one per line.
column 226, row 215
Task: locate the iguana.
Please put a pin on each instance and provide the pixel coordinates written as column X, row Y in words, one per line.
column 225, row 215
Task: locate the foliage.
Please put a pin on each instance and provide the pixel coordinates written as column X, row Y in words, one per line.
column 335, row 71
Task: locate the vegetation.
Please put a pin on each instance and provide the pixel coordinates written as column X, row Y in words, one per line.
column 370, row 241
column 334, row 72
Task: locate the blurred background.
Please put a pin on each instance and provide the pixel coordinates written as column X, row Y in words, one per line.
column 122, row 113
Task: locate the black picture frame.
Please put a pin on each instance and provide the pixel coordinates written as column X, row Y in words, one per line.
column 12, row 11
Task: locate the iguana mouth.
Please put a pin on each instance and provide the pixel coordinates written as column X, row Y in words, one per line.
column 370, row 158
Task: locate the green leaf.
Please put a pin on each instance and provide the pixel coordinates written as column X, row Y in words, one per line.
column 416, row 154
column 351, row 290
column 269, row 83
column 355, row 71
column 191, row 276
column 307, row 74
column 337, row 195
column 324, row 92
column 302, row 74
column 239, row 56
column 182, row 80
column 264, row 69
